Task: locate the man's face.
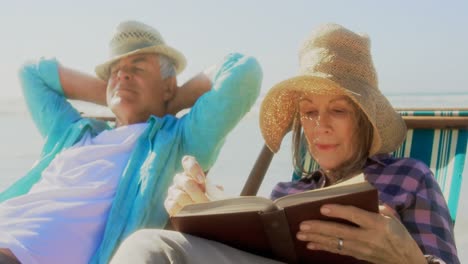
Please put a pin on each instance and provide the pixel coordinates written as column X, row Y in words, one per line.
column 135, row 89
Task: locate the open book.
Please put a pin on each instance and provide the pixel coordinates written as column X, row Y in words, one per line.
column 268, row 228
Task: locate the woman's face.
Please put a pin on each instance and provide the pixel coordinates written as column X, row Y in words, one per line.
column 329, row 123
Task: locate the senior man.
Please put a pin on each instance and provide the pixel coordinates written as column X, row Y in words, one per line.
column 94, row 184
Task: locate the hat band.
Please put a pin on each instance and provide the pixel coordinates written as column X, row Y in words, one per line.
column 127, row 48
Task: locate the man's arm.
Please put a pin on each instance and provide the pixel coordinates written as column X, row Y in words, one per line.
column 236, row 86
column 44, row 96
column 81, row 86
column 189, row 93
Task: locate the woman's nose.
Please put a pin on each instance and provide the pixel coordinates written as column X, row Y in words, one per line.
column 322, row 123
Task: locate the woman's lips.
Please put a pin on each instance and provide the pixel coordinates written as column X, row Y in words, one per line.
column 326, row 147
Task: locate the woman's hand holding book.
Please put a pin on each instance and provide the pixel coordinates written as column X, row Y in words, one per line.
column 190, row 187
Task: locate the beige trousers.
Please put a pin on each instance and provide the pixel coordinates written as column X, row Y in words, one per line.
column 163, row 246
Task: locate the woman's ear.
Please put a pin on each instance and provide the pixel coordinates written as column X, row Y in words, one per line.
column 170, row 88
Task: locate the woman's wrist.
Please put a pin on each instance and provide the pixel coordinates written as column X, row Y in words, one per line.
column 415, row 255
column 433, row 260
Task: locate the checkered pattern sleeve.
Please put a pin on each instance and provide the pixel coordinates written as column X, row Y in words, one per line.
column 409, row 187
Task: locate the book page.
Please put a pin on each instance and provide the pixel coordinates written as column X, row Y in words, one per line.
column 352, row 185
column 232, row 205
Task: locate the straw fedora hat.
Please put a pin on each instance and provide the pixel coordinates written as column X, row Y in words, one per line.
column 131, row 38
column 333, row 61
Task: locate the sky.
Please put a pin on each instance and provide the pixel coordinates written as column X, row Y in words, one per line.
column 418, row 46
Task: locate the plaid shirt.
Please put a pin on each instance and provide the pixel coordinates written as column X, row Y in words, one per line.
column 408, row 186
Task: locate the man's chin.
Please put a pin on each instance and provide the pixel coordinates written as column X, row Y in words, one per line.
column 114, row 102
column 120, row 102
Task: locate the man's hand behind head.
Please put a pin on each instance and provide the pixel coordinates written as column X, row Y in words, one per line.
column 188, row 93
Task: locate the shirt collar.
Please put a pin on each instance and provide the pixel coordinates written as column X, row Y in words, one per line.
column 378, row 159
column 319, row 178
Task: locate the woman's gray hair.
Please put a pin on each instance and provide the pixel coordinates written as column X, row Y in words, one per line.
column 166, row 66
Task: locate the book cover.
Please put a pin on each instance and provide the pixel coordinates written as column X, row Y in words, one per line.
column 268, row 228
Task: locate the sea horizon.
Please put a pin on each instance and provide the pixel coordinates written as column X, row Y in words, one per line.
column 16, row 104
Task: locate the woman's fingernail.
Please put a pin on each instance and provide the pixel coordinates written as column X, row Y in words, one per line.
column 304, row 227
column 325, row 210
column 301, row 236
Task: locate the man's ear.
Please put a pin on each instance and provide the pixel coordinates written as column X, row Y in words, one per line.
column 170, row 88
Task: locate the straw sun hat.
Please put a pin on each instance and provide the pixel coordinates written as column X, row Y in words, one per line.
column 131, row 38
column 333, row 61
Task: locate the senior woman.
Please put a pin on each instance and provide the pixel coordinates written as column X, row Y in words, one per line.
column 335, row 106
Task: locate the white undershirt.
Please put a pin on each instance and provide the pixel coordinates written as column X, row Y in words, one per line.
column 62, row 218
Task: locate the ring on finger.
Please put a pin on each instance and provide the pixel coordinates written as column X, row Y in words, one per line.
column 340, row 244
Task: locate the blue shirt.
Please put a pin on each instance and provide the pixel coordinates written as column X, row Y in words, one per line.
column 156, row 158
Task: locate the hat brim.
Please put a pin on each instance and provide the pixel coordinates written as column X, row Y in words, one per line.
column 280, row 105
column 102, row 70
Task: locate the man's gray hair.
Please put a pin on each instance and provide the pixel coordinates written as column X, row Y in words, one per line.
column 166, row 66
